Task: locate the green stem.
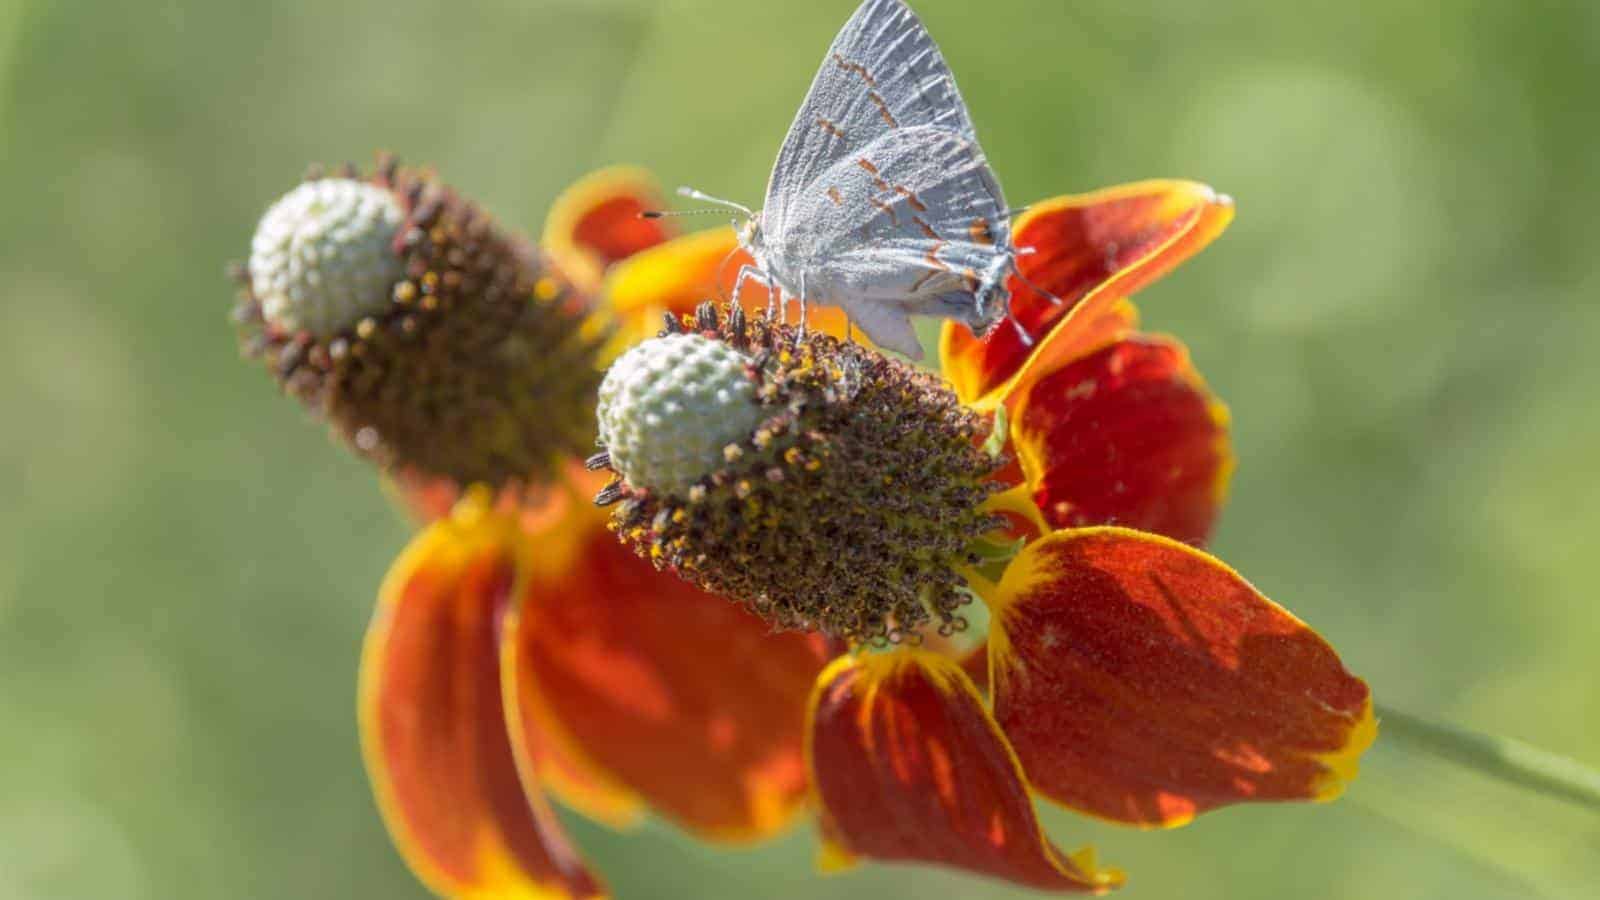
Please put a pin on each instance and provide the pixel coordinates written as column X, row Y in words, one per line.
column 1509, row 760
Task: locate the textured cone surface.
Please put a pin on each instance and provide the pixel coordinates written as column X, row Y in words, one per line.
column 480, row 363
column 848, row 509
column 670, row 406
column 323, row 256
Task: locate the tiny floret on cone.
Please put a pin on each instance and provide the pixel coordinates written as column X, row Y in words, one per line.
column 825, row 485
column 671, row 407
column 322, row 256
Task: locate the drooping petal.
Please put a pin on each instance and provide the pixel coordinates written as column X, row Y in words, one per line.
column 683, row 273
column 1128, row 435
column 1143, row 681
column 564, row 769
column 1091, row 251
column 683, row 698
column 433, row 730
column 596, row 223
column 909, row 766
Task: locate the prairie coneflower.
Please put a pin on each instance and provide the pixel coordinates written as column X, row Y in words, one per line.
column 1004, row 559
column 517, row 651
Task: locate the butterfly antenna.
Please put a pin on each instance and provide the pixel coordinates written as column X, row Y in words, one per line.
column 675, row 213
column 704, row 197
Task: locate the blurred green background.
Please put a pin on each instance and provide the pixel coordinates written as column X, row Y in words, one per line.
column 1402, row 318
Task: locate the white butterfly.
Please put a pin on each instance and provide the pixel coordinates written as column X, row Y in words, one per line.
column 881, row 201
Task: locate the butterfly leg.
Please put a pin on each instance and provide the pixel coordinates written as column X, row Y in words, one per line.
column 1054, row 300
column 801, row 334
column 747, row 272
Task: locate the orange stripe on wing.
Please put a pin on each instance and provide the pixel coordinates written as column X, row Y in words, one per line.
column 856, row 68
column 883, row 109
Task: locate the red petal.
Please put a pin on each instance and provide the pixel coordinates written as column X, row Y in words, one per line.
column 1090, row 251
column 1143, row 681
column 1127, row 436
column 596, row 222
column 909, row 766
column 433, row 730
column 683, row 698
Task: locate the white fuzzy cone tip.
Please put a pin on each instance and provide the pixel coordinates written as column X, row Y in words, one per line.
column 322, row 257
column 669, row 407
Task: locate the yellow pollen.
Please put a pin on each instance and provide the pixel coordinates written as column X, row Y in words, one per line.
column 546, row 289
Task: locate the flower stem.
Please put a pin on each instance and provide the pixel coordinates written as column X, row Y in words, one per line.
column 1509, row 760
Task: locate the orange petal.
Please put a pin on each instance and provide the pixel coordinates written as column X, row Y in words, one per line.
column 1143, row 681
column 596, row 223
column 683, row 273
column 1128, row 435
column 1091, row 251
column 683, row 698
column 679, row 275
column 553, row 518
column 433, row 730
column 909, row 766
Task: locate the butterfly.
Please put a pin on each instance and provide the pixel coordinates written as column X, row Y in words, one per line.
column 881, row 200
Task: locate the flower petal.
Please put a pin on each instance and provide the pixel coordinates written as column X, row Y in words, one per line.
column 433, row 731
column 680, row 274
column 1143, row 681
column 596, row 223
column 683, row 273
column 1090, row 251
column 908, row 765
column 1128, row 435
column 683, row 698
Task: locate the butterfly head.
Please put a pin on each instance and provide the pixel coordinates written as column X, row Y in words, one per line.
column 750, row 236
column 992, row 298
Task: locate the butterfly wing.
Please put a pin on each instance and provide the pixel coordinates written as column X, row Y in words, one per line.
column 913, row 224
column 883, row 72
